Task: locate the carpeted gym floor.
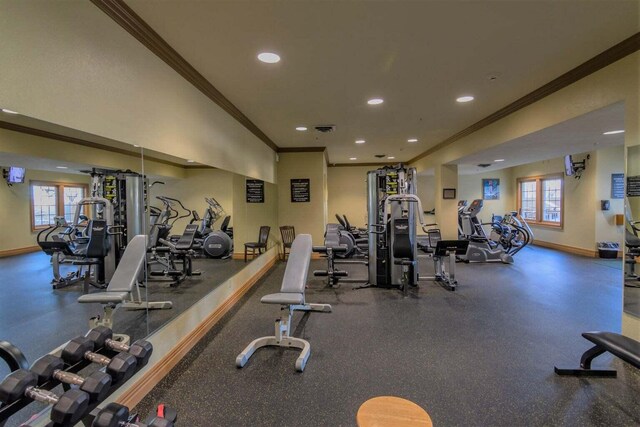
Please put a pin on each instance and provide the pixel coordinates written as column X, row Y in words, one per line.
column 38, row 319
column 480, row 356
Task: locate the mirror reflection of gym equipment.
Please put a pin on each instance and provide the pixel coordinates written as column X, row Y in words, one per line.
column 397, row 230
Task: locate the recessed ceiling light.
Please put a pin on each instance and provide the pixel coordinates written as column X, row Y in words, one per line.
column 4, row 110
column 191, row 161
column 136, row 145
column 353, row 158
column 269, row 57
column 375, row 101
column 61, row 167
column 499, row 160
column 301, row 128
column 613, row 132
column 390, row 157
column 412, row 140
column 360, row 141
column 466, row 98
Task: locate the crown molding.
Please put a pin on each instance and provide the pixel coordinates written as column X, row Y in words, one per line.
column 124, row 16
column 598, row 62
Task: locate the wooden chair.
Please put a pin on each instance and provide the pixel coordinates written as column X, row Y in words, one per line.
column 261, row 244
column 288, row 234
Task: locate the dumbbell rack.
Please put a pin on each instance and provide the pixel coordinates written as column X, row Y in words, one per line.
column 7, row 411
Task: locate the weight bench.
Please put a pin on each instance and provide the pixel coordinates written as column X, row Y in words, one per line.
column 620, row 346
column 120, row 291
column 291, row 298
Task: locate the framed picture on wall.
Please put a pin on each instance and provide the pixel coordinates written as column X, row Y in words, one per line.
column 491, row 189
column 448, row 193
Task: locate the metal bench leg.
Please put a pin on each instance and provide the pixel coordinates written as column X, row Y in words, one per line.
column 585, row 366
column 282, row 339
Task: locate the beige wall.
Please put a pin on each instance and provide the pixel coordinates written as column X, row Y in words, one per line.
column 15, row 208
column 348, row 193
column 309, row 217
column 579, row 203
column 608, row 161
column 35, row 147
column 470, row 188
column 73, row 66
column 248, row 217
column 427, row 191
column 585, row 223
column 191, row 191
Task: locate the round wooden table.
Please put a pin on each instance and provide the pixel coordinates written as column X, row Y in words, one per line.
column 390, row 411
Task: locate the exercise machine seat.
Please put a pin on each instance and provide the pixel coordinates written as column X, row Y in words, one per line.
column 125, row 276
column 295, row 275
column 631, row 240
column 623, row 347
column 283, row 298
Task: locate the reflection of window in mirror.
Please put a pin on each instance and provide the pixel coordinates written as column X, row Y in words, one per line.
column 59, row 242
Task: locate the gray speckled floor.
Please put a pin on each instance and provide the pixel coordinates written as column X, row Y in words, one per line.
column 480, row 356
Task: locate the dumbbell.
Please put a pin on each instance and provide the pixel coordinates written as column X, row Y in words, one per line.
column 67, row 410
column 96, row 385
column 115, row 415
column 121, row 367
column 102, row 337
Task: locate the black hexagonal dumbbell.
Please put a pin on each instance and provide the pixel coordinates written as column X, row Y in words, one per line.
column 115, row 415
column 48, row 367
column 103, row 337
column 121, row 367
column 67, row 410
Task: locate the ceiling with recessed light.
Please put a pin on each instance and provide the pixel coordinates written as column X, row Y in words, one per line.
column 418, row 56
column 579, row 135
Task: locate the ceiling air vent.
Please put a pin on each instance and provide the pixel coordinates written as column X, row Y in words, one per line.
column 484, row 165
column 325, row 128
column 380, row 155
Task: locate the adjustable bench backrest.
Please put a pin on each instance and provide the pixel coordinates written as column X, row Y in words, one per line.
column 130, row 266
column 295, row 275
column 186, row 240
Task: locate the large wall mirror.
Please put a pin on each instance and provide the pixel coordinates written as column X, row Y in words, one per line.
column 200, row 221
column 632, row 233
column 80, row 213
column 70, row 203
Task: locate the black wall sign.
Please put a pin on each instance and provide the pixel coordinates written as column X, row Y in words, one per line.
column 617, row 186
column 633, row 186
column 300, row 190
column 255, row 191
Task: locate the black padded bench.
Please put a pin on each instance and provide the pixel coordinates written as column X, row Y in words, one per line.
column 620, row 346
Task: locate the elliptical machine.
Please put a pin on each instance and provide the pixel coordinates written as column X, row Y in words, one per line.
column 213, row 243
column 481, row 247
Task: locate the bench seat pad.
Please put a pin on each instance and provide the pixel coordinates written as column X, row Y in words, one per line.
column 623, row 347
column 104, row 297
column 283, row 298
